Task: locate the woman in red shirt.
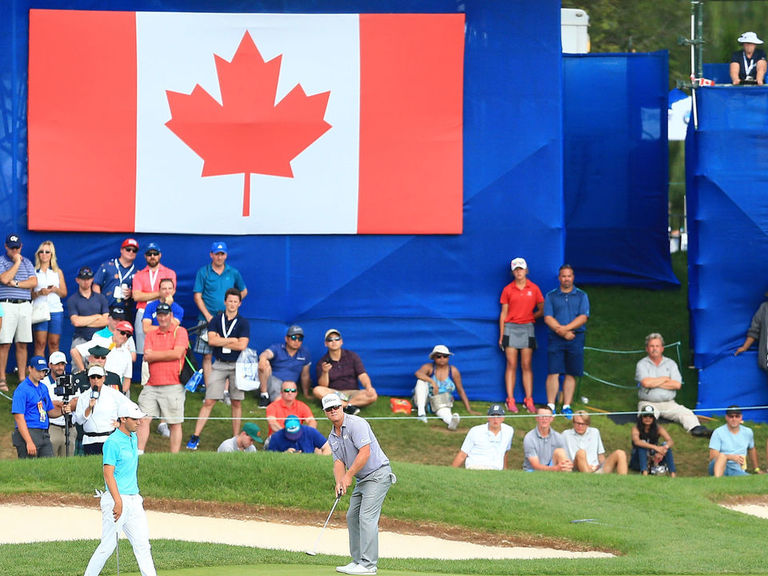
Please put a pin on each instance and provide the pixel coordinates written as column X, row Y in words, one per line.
column 521, row 303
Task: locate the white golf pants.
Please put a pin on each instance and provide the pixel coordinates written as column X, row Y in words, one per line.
column 133, row 522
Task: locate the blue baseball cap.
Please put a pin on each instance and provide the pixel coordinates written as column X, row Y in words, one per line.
column 152, row 246
column 219, row 247
column 292, row 427
column 38, row 363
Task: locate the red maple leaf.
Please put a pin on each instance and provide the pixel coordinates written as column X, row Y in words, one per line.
column 248, row 133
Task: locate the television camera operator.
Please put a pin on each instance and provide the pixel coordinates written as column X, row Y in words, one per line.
column 63, row 392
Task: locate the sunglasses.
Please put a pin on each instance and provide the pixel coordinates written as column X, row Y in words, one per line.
column 733, row 415
column 333, row 339
column 43, row 251
column 441, row 356
column 95, row 377
column 289, row 389
column 130, row 249
column 298, row 337
column 124, row 333
column 332, row 408
column 153, row 254
column 98, row 357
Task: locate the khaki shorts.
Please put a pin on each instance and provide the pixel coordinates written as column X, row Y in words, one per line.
column 217, row 382
column 166, row 402
column 17, row 322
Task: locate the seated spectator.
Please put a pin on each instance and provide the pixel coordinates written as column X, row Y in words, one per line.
column 651, row 446
column 748, row 65
column 88, row 310
column 658, row 380
column 729, row 446
column 97, row 356
column 167, row 292
column 486, row 446
column 437, row 381
column 288, row 360
column 117, row 315
column 243, row 442
column 585, row 449
column 119, row 359
column 339, row 371
column 287, row 405
column 51, row 288
column 298, row 439
column 543, row 447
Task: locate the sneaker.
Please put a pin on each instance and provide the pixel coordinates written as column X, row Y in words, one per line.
column 567, row 412
column 347, row 568
column 354, row 410
column 227, row 400
column 528, row 402
column 511, row 405
column 360, row 569
column 163, row 430
column 193, row 442
column 263, row 400
column 422, row 418
column 454, row 423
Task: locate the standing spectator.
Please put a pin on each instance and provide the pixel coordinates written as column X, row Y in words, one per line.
column 544, row 448
column 288, row 405
column 51, row 288
column 114, row 278
column 486, row 446
column 356, row 453
column 97, row 410
column 748, row 65
column 289, row 360
column 339, row 372
column 60, row 428
column 31, row 408
column 121, row 505
column 585, row 449
column 17, row 279
column 659, row 379
column 758, row 332
column 163, row 395
column 729, row 446
column 521, row 303
column 211, row 283
column 146, row 287
column 566, row 311
column 437, row 381
column 88, row 310
column 228, row 335
column 297, row 438
column 651, row 445
column 243, row 442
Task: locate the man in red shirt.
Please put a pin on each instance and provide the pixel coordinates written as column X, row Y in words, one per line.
column 163, row 395
column 288, row 405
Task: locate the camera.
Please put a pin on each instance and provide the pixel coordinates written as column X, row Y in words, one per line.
column 66, row 387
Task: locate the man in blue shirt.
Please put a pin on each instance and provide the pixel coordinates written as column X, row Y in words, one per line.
column 31, row 408
column 88, row 310
column 296, row 438
column 228, row 335
column 121, row 503
column 566, row 311
column 17, row 279
column 211, row 283
column 729, row 446
column 288, row 361
column 114, row 278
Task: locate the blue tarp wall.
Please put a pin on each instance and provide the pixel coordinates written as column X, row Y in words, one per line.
column 393, row 297
column 727, row 184
column 616, row 162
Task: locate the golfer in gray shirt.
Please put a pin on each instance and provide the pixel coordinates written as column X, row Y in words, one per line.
column 356, row 452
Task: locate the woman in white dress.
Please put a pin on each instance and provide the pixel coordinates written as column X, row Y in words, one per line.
column 51, row 288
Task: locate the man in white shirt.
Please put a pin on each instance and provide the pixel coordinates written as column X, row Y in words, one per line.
column 486, row 446
column 119, row 357
column 243, row 442
column 97, row 410
column 585, row 448
column 58, row 426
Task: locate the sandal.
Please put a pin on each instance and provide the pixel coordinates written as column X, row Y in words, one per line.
column 3, row 386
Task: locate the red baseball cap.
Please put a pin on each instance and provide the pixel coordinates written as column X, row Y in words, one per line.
column 130, row 242
column 124, row 326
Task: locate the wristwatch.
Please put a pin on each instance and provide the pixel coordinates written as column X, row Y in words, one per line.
column 16, row 283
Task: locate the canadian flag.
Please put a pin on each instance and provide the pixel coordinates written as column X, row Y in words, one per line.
column 195, row 123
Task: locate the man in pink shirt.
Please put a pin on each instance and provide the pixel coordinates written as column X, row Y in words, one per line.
column 146, row 287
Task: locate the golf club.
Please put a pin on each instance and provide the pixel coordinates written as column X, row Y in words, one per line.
column 313, row 551
column 117, row 548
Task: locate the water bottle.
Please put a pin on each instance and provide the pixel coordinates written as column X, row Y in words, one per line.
column 194, row 382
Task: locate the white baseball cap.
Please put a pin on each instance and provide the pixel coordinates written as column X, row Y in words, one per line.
column 130, row 410
column 331, row 401
column 97, row 370
column 750, row 37
column 57, row 358
column 518, row 263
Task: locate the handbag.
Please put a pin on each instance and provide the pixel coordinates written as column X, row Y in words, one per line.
column 40, row 310
column 247, row 370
